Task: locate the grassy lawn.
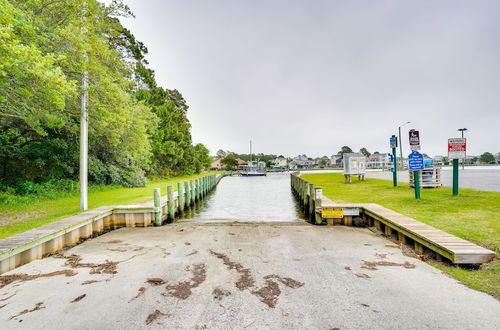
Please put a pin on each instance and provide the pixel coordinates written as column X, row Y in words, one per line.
column 472, row 215
column 21, row 213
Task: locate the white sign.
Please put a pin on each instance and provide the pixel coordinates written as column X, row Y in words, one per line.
column 457, row 148
column 414, row 140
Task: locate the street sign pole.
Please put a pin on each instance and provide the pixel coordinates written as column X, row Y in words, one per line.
column 455, row 177
column 416, row 183
column 457, row 149
column 395, row 172
column 394, row 144
column 416, row 164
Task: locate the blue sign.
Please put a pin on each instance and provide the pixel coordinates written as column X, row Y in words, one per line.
column 415, row 161
column 393, row 142
column 392, row 161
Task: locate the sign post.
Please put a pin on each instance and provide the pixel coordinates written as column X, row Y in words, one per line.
column 394, row 145
column 415, row 164
column 456, row 150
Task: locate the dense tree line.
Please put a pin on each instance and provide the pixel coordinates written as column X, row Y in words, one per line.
column 136, row 128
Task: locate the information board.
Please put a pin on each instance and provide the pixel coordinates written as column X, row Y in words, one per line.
column 415, row 161
column 393, row 141
column 414, row 140
column 457, row 148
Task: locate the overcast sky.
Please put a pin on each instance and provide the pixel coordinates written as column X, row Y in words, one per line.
column 312, row 76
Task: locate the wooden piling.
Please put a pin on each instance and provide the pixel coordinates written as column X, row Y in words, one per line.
column 180, row 198
column 157, row 205
column 187, row 193
column 192, row 190
column 170, row 203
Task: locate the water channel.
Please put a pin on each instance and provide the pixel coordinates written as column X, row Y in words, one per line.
column 249, row 199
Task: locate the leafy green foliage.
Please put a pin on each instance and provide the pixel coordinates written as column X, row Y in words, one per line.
column 229, row 163
column 135, row 127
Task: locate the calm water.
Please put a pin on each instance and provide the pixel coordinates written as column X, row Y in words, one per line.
column 249, row 199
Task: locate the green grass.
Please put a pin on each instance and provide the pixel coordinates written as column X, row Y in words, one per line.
column 22, row 213
column 473, row 215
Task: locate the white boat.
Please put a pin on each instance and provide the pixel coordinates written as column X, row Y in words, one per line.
column 252, row 170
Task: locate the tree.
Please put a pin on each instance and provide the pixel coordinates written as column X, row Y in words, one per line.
column 365, row 152
column 230, row 163
column 344, row 150
column 487, row 158
column 221, row 153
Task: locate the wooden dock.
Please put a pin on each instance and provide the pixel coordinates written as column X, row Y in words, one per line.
column 405, row 230
column 34, row 244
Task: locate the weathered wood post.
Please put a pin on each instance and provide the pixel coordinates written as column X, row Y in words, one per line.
column 318, row 193
column 311, row 202
column 157, row 206
column 170, row 203
column 188, row 194
column 198, row 189
column 193, row 193
column 180, row 197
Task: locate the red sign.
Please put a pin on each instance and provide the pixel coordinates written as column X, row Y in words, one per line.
column 457, row 148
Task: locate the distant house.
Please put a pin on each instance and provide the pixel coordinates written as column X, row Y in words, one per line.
column 252, row 165
column 301, row 161
column 497, row 157
column 280, row 163
column 216, row 166
column 470, row 160
column 335, row 161
column 438, row 160
column 378, row 160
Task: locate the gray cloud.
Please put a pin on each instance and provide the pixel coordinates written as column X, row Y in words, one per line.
column 311, row 76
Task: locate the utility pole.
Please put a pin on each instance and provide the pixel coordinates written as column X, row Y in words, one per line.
column 462, row 130
column 84, row 133
column 401, row 144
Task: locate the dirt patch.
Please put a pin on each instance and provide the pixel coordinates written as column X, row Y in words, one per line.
column 115, row 241
column 361, row 275
column 269, row 293
column 246, row 280
column 37, row 307
column 155, row 281
column 409, row 252
column 90, row 282
column 381, row 255
column 187, row 243
column 371, row 265
column 220, row 293
column 289, row 282
column 347, row 268
column 365, row 305
column 155, row 315
column 192, row 253
column 12, row 295
column 182, row 290
column 140, row 292
column 118, row 249
column 74, row 261
column 7, row 217
column 8, row 279
column 79, row 298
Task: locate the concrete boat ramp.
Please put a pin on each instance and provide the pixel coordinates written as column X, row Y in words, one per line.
column 243, row 276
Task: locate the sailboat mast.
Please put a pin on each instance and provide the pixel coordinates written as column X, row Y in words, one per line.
column 250, row 151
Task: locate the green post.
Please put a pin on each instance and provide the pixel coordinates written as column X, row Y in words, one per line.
column 395, row 173
column 180, row 197
column 188, row 194
column 198, row 189
column 192, row 188
column 455, row 177
column 157, row 205
column 416, row 182
column 170, row 203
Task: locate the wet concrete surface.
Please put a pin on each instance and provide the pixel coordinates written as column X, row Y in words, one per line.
column 196, row 276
